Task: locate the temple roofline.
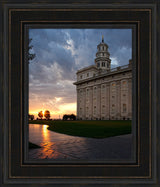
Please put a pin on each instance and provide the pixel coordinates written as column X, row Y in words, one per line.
column 86, row 68
column 117, row 70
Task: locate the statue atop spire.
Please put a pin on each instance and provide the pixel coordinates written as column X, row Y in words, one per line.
column 102, row 39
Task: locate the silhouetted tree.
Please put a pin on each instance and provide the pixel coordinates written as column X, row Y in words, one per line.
column 65, row 117
column 31, row 117
column 71, row 117
column 40, row 114
column 47, row 114
column 30, row 55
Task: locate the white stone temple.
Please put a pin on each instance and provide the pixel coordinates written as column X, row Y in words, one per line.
column 104, row 93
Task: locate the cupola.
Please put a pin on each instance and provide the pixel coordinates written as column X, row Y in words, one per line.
column 102, row 59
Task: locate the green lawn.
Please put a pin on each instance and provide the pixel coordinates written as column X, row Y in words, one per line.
column 92, row 129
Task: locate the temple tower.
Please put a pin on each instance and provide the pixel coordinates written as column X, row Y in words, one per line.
column 102, row 59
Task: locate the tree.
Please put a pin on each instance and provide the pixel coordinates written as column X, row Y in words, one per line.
column 30, row 55
column 69, row 116
column 30, row 116
column 47, row 114
column 65, row 117
column 40, row 114
column 72, row 117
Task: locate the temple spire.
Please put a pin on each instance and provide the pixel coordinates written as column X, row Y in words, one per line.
column 102, row 59
column 102, row 38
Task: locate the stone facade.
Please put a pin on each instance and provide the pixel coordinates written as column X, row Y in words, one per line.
column 104, row 93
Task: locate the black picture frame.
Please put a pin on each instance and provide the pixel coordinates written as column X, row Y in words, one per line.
column 14, row 18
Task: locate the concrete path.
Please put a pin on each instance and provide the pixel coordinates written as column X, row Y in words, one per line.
column 56, row 146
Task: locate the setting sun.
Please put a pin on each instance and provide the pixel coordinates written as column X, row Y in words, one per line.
column 55, row 112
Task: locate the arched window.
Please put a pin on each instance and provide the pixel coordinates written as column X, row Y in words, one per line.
column 80, row 110
column 87, row 92
column 124, row 108
column 87, row 110
column 103, row 109
column 103, row 64
column 98, row 64
column 113, row 108
column 94, row 109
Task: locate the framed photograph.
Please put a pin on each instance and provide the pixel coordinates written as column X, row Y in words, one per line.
column 76, row 101
column 79, row 97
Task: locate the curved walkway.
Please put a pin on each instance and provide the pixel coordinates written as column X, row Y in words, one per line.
column 56, row 146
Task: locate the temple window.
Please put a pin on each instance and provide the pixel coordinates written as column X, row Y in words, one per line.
column 94, row 109
column 87, row 92
column 124, row 82
column 87, row 110
column 124, row 108
column 103, row 64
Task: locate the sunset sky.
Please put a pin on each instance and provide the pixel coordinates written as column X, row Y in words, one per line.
column 59, row 54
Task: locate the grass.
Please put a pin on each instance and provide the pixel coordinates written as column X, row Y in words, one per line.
column 33, row 146
column 91, row 129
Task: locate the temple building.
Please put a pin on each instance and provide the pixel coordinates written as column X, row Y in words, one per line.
column 104, row 93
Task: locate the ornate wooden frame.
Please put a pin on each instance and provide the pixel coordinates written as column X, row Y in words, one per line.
column 16, row 17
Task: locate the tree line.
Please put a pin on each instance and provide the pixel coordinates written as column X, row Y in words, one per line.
column 47, row 116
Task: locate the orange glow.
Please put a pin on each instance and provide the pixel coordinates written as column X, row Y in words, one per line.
column 61, row 109
column 45, row 131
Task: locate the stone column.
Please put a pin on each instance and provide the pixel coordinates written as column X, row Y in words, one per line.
column 99, row 102
column 130, row 98
column 78, row 105
column 84, row 104
column 107, row 100
column 103, row 101
column 91, row 102
column 118, row 99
